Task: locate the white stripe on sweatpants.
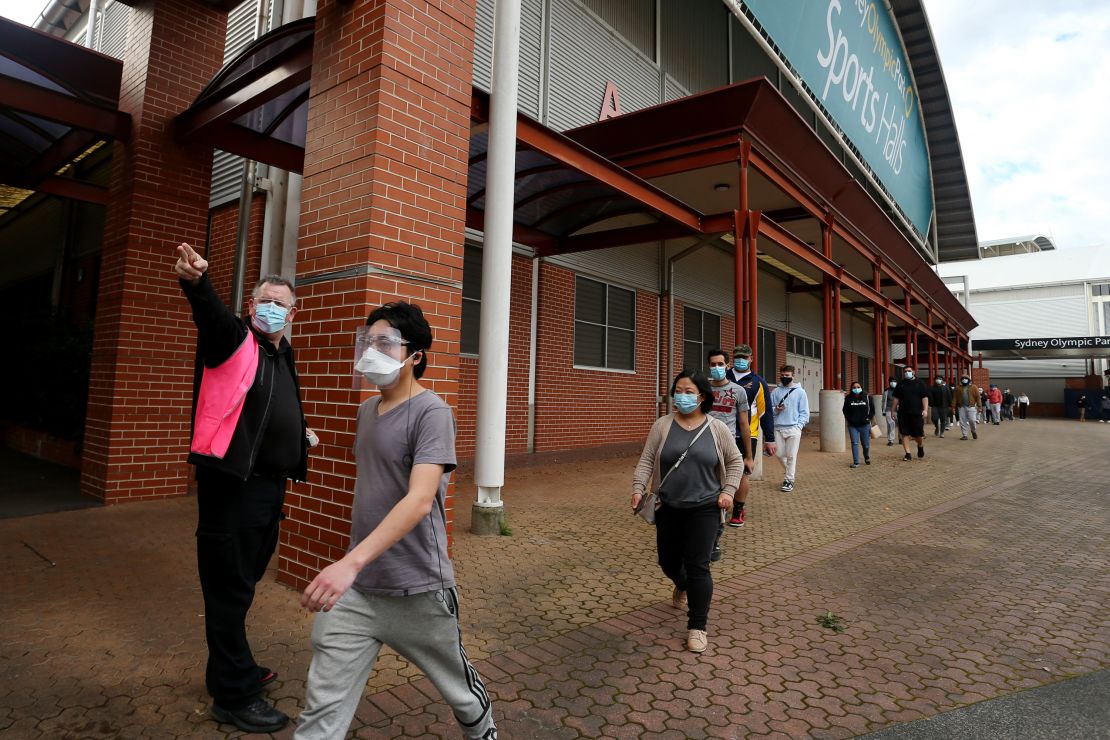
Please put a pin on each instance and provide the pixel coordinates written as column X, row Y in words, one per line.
column 787, row 441
column 424, row 628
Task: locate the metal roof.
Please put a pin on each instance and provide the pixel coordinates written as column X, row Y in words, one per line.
column 955, row 218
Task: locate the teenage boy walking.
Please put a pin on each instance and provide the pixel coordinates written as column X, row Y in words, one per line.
column 759, row 416
column 730, row 405
column 791, row 408
column 396, row 585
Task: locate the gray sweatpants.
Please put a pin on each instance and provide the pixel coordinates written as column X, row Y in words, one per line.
column 424, row 628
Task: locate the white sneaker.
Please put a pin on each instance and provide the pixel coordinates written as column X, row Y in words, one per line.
column 697, row 641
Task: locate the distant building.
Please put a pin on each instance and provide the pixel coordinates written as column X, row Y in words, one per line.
column 1025, row 288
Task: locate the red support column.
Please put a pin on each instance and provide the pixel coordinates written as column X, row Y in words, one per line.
column 753, row 278
column 382, row 218
column 141, row 380
column 828, row 323
column 838, row 359
column 739, row 293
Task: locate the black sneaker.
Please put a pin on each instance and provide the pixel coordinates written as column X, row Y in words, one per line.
column 866, row 461
column 854, row 465
column 258, row 716
column 921, row 451
column 974, row 435
column 787, row 486
column 907, row 457
column 715, row 555
column 889, row 444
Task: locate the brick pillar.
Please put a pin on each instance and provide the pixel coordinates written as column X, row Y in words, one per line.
column 140, row 389
column 382, row 218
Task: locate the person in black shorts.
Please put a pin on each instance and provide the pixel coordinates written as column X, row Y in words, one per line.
column 911, row 405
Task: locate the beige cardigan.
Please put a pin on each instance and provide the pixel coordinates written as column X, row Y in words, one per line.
column 730, row 464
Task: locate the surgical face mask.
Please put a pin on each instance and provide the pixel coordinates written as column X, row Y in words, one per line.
column 269, row 318
column 857, row 390
column 717, row 373
column 379, row 368
column 940, row 382
column 741, row 364
column 894, row 384
column 786, row 379
column 909, row 374
column 965, row 381
column 686, row 402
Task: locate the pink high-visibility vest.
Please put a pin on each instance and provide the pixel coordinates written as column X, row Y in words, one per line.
column 220, row 402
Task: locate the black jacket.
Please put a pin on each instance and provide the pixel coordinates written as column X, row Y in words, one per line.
column 940, row 396
column 219, row 334
column 858, row 410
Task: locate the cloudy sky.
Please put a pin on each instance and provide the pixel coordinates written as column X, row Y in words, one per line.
column 1030, row 84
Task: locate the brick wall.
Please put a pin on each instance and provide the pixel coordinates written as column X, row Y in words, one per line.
column 582, row 407
column 520, row 317
column 382, row 210
column 140, row 387
column 221, row 247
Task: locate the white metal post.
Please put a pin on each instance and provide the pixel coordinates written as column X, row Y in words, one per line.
column 497, row 253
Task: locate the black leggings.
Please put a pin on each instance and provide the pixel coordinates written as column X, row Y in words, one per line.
column 684, row 538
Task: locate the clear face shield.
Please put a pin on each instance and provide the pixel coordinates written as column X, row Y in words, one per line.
column 379, row 357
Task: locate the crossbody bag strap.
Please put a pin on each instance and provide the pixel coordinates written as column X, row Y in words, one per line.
column 684, row 453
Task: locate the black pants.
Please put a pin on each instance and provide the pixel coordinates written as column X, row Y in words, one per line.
column 237, row 533
column 1024, row 409
column 684, row 538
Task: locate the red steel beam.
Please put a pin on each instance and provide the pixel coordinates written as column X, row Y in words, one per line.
column 739, row 292
column 64, row 109
column 754, row 217
column 68, row 188
column 620, row 237
column 562, row 149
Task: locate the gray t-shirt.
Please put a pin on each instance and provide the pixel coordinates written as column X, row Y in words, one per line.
column 420, row 430
column 728, row 400
column 694, row 482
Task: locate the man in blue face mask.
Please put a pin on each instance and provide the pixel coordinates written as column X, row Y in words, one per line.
column 760, row 419
column 249, row 439
column 730, row 405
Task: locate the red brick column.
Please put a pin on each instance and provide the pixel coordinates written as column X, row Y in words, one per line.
column 140, row 390
column 382, row 218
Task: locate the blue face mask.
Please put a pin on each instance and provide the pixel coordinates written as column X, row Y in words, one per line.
column 686, row 402
column 741, row 365
column 717, row 373
column 270, row 317
column 857, row 390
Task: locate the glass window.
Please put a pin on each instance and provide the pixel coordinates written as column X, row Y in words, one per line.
column 701, row 332
column 863, row 373
column 471, row 299
column 604, row 325
column 765, row 360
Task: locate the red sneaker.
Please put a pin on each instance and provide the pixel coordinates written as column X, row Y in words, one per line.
column 737, row 520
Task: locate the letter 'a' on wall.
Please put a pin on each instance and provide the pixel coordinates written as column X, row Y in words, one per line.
column 848, row 53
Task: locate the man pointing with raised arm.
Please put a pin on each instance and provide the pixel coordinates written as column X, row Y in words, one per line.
column 249, row 438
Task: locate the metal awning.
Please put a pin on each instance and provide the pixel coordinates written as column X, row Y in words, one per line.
column 567, row 198
column 58, row 102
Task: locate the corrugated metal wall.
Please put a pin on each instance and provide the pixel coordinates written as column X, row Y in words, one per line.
column 704, row 279
column 635, row 265
column 748, row 58
column 1044, row 317
column 805, row 315
column 694, row 42
column 772, row 302
column 113, row 29
column 632, row 19
column 227, row 169
column 583, row 56
column 531, row 52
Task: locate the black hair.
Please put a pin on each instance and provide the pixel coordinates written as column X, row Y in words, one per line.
column 697, row 377
column 854, row 382
column 787, row 369
column 714, row 352
column 408, row 319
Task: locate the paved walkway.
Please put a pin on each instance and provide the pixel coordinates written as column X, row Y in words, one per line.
column 975, row 573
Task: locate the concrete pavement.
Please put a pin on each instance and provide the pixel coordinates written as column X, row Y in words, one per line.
column 972, row 574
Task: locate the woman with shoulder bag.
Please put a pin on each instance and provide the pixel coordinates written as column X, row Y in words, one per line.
column 691, row 461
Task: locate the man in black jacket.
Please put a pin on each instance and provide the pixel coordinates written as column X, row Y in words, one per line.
column 240, row 490
column 940, row 398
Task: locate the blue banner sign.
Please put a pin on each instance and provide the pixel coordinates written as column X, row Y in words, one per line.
column 848, row 54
